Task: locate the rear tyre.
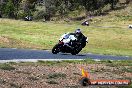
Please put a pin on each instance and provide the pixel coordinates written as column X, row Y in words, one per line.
column 73, row 53
column 55, row 49
column 79, row 49
column 76, row 50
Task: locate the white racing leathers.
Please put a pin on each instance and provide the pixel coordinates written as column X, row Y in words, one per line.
column 66, row 38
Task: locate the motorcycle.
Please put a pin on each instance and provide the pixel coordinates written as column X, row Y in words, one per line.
column 69, row 44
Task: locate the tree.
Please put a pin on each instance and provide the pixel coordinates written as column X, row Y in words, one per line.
column 91, row 5
column 113, row 3
column 127, row 1
column 50, row 9
column 17, row 6
column 9, row 9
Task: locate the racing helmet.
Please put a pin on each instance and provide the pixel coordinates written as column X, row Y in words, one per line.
column 78, row 31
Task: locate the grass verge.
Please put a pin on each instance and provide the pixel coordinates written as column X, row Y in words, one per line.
column 105, row 36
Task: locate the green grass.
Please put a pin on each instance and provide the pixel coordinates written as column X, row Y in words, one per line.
column 118, row 63
column 127, row 69
column 113, row 38
column 56, row 75
column 52, row 82
column 6, row 67
column 13, row 85
column 2, row 81
column 32, row 78
column 65, row 62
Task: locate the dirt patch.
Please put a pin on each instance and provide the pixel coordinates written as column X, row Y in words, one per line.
column 4, row 39
column 56, row 76
column 8, row 42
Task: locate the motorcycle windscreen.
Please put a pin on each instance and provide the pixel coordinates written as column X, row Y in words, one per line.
column 64, row 36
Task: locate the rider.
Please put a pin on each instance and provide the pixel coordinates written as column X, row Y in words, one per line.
column 80, row 37
column 72, row 37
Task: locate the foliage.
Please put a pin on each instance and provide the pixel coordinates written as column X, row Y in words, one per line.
column 9, row 9
column 52, row 8
column 39, row 15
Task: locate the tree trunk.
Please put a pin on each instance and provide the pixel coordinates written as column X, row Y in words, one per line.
column 127, row 1
column 112, row 4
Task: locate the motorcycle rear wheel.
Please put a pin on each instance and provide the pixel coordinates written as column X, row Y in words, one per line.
column 74, row 52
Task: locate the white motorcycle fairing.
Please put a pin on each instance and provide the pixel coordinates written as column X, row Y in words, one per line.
column 66, row 38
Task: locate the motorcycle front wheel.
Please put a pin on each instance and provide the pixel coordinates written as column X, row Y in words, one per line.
column 56, row 49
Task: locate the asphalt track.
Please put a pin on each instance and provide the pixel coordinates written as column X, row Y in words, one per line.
column 27, row 54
